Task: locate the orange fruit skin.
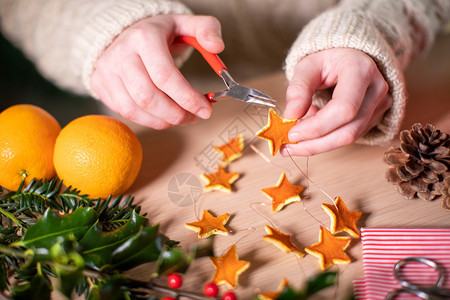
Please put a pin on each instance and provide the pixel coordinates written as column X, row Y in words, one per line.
column 27, row 139
column 98, row 155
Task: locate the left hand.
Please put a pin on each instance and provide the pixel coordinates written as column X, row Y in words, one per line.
column 359, row 101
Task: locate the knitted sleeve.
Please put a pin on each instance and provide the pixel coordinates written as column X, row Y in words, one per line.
column 64, row 38
column 391, row 32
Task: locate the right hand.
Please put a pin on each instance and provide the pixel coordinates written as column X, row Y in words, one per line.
column 359, row 101
column 137, row 77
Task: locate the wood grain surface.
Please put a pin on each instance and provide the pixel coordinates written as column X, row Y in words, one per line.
column 355, row 172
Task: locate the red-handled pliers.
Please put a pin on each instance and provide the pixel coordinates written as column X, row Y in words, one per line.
column 233, row 90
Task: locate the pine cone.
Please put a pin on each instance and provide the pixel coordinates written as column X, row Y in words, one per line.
column 445, row 192
column 421, row 163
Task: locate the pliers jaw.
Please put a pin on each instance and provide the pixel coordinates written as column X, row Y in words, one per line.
column 233, row 90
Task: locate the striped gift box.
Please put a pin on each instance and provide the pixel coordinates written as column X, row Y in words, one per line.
column 383, row 247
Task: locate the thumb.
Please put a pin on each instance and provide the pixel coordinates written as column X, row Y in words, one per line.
column 306, row 80
column 206, row 29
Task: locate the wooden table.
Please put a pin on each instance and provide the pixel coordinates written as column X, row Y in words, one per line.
column 355, row 172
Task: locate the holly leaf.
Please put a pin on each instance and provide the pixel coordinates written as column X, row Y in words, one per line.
column 68, row 281
column 52, row 225
column 289, row 293
column 66, row 253
column 39, row 288
column 177, row 260
column 313, row 285
column 173, row 260
column 143, row 247
column 320, row 282
column 111, row 288
column 98, row 245
column 203, row 248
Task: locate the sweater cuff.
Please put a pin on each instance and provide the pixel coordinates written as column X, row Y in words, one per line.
column 99, row 33
column 351, row 29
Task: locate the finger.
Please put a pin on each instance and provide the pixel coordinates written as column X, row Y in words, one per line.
column 368, row 117
column 338, row 138
column 307, row 78
column 166, row 77
column 312, row 111
column 379, row 113
column 206, row 29
column 340, row 110
column 147, row 96
column 118, row 100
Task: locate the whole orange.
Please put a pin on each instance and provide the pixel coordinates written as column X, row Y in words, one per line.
column 98, row 155
column 27, row 139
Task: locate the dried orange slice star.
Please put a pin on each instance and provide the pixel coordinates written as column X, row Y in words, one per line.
column 281, row 241
column 342, row 219
column 283, row 193
column 276, row 131
column 220, row 180
column 228, row 268
column 231, row 150
column 274, row 295
column 330, row 249
column 209, row 225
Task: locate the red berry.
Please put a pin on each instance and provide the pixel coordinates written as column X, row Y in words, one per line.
column 168, row 298
column 211, row 289
column 229, row 296
column 175, row 281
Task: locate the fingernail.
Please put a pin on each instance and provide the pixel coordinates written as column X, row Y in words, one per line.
column 204, row 113
column 213, row 37
column 283, row 151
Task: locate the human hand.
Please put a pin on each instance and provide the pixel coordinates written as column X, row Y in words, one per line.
column 137, row 77
column 359, row 100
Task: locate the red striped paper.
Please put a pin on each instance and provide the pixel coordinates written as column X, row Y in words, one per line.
column 383, row 247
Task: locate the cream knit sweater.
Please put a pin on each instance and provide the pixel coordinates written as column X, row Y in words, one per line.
column 64, row 38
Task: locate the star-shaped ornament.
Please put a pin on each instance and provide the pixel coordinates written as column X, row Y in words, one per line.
column 209, row 225
column 276, row 131
column 274, row 295
column 330, row 249
column 342, row 219
column 228, row 268
column 231, row 150
column 281, row 240
column 220, row 180
column 283, row 193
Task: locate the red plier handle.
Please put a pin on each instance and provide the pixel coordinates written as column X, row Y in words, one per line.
column 213, row 60
column 233, row 90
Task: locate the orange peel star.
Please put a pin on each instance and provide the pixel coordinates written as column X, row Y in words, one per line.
column 276, row 131
column 228, row 268
column 330, row 249
column 274, row 295
column 209, row 225
column 281, row 241
column 342, row 219
column 283, row 193
column 220, row 180
column 231, row 150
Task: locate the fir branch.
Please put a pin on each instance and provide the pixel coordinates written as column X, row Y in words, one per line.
column 22, row 206
column 11, row 217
